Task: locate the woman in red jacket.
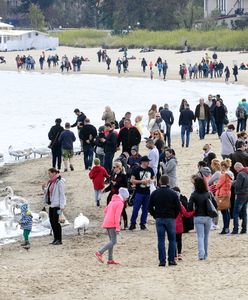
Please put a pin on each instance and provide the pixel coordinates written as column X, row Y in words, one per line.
column 223, row 188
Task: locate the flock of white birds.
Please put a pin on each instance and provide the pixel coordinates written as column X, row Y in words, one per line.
column 13, row 203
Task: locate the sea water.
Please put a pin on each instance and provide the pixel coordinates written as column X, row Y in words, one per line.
column 30, row 102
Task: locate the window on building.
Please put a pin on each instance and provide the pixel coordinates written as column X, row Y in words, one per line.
column 222, row 6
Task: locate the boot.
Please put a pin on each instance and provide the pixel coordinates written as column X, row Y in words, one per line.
column 24, row 243
column 27, row 246
column 71, row 167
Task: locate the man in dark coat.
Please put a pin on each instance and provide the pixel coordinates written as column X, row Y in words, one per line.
column 88, row 134
column 55, row 145
column 80, row 119
column 168, row 118
column 185, row 120
column 129, row 136
column 110, row 146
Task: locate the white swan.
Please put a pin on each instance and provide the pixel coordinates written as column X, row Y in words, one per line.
column 16, row 153
column 45, row 222
column 12, row 201
column 20, row 153
column 41, row 151
column 81, row 222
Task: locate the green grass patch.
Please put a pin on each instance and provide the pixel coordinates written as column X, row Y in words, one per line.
column 222, row 39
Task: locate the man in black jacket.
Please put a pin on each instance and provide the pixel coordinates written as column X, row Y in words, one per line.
column 88, row 134
column 240, row 155
column 168, row 118
column 185, row 120
column 164, row 207
column 241, row 192
column 110, row 146
column 129, row 136
column 55, row 145
column 80, row 119
column 202, row 114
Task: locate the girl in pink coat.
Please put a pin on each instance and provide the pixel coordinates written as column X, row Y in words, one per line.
column 112, row 224
column 180, row 229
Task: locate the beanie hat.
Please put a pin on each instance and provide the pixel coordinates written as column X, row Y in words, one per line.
column 123, row 192
column 24, row 207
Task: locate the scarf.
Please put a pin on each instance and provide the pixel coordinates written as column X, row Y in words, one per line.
column 51, row 184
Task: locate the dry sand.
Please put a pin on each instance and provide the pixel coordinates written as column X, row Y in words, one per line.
column 71, row 271
column 93, row 67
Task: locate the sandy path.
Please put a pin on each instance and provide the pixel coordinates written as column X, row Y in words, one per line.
column 71, row 271
column 93, row 67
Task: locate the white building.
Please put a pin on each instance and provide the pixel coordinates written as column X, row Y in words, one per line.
column 11, row 39
column 227, row 10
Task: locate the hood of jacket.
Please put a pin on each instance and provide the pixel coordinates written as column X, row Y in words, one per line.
column 205, row 171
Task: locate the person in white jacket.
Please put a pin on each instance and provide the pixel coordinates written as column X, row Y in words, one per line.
column 157, row 124
column 228, row 140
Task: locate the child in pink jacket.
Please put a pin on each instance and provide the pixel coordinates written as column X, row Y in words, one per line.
column 112, row 224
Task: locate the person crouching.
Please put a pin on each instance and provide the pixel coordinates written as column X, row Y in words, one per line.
column 112, row 224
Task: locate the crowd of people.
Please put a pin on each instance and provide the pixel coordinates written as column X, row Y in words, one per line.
column 149, row 182
column 208, row 67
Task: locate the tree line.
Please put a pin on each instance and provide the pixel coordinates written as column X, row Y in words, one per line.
column 115, row 14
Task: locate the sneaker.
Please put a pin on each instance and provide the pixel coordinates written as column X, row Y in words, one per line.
column 162, row 264
column 112, row 262
column 99, row 257
column 132, row 227
column 243, row 231
column 182, row 145
column 98, row 203
column 71, row 167
column 225, row 231
column 27, row 246
column 56, row 243
column 172, row 263
column 65, row 170
column 143, row 227
column 234, row 232
column 52, row 242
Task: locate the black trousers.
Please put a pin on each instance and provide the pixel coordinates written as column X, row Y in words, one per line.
column 179, row 243
column 56, row 153
column 124, row 216
column 54, row 220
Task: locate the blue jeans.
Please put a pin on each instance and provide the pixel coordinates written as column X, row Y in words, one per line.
column 202, row 227
column 108, row 161
column 220, row 128
column 140, row 200
column 88, row 155
column 185, row 129
column 202, row 128
column 226, row 218
column 98, row 194
column 166, row 225
column 240, row 207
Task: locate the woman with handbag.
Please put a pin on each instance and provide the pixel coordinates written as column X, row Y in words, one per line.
column 223, row 193
column 199, row 201
column 54, row 196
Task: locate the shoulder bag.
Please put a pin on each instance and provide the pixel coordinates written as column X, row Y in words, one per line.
column 223, row 202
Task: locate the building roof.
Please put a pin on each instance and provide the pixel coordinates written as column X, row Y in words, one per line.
column 18, row 32
column 5, row 25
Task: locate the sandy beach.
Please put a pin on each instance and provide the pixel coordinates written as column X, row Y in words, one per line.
column 71, row 271
column 93, row 67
